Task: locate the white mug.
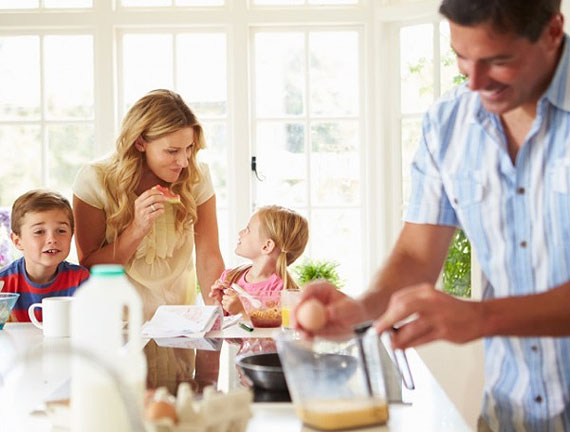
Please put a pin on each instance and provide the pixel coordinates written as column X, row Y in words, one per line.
column 56, row 316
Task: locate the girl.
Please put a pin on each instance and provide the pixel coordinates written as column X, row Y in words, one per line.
column 273, row 239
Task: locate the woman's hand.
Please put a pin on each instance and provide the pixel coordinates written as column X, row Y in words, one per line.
column 217, row 291
column 148, row 206
column 231, row 302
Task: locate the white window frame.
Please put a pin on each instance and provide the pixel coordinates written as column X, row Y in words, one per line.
column 306, row 119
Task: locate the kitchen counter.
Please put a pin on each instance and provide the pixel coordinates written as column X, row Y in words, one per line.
column 430, row 409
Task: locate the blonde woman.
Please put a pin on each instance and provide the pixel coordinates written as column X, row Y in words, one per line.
column 121, row 219
column 273, row 239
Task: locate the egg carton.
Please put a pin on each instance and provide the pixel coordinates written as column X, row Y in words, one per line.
column 214, row 412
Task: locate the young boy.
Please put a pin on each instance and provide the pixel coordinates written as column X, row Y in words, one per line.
column 42, row 227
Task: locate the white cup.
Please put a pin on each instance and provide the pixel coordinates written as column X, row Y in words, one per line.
column 56, row 316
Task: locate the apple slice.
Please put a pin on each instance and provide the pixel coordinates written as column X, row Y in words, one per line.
column 170, row 197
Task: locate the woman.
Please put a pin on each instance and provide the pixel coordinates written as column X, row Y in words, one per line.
column 121, row 219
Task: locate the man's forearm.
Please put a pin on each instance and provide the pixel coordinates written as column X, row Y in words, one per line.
column 400, row 271
column 544, row 314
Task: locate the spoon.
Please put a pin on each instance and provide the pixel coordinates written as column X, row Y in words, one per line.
column 254, row 302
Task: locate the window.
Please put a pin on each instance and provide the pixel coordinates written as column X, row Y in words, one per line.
column 46, row 112
column 428, row 69
column 44, row 4
column 307, row 140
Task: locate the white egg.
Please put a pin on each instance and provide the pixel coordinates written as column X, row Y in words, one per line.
column 311, row 315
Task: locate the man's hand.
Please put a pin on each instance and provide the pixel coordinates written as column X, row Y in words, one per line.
column 434, row 315
column 342, row 312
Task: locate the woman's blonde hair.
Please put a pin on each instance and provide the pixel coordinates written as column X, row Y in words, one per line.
column 158, row 113
column 290, row 233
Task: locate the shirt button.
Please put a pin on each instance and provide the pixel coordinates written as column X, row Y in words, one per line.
column 520, row 190
column 534, row 348
column 455, row 200
column 523, row 244
column 538, row 399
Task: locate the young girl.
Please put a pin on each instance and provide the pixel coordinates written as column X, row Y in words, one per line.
column 273, row 239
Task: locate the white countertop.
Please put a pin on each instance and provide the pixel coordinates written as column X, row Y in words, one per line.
column 430, row 410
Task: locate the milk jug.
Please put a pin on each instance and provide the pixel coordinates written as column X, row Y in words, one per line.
column 104, row 360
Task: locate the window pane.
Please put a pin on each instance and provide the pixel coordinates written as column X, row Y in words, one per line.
column 335, row 163
column 416, row 67
column 21, row 170
column 50, row 4
column 279, row 74
column 334, row 73
column 278, row 2
column 336, row 235
column 450, row 76
column 68, row 3
column 281, row 160
column 333, row 2
column 140, row 73
column 201, row 72
column 19, row 4
column 411, row 132
column 70, row 147
column 199, row 2
column 144, row 3
column 19, row 78
column 69, row 76
column 216, row 156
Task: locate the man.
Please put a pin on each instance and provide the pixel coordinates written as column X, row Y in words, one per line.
column 494, row 159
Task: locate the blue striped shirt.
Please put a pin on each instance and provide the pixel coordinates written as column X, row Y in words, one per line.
column 517, row 218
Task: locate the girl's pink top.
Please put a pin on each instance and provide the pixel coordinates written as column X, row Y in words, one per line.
column 268, row 287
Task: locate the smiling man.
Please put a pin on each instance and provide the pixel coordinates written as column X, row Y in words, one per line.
column 494, row 160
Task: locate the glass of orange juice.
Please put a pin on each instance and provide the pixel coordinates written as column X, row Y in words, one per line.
column 289, row 299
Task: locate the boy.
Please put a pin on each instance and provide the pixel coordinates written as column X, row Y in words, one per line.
column 42, row 227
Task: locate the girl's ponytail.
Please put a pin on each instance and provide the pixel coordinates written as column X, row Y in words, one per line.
column 288, row 281
column 290, row 232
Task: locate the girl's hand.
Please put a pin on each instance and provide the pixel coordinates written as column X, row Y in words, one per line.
column 148, row 206
column 231, row 302
column 217, row 291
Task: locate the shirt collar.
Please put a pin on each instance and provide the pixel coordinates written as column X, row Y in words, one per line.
column 560, row 83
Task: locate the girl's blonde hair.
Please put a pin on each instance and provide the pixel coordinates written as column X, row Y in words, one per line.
column 290, row 233
column 158, row 113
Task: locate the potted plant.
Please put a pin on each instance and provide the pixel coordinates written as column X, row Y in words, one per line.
column 311, row 269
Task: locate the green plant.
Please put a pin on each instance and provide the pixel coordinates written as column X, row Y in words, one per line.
column 310, row 270
column 457, row 267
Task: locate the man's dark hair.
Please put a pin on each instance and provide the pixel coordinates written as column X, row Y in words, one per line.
column 526, row 18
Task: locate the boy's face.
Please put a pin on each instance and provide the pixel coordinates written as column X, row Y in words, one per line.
column 45, row 238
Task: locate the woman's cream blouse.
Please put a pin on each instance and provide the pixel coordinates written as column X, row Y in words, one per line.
column 162, row 268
